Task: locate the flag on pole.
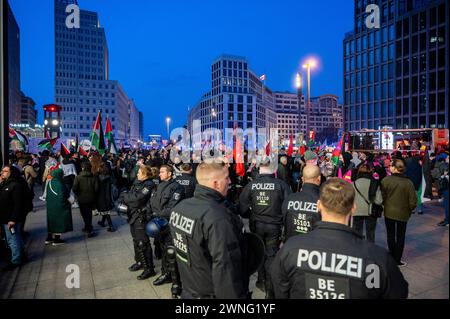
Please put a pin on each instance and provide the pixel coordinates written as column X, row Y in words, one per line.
column 262, row 77
column 97, row 138
column 81, row 151
column 238, row 156
column 337, row 150
column 64, row 151
column 18, row 136
column 47, row 143
column 109, row 135
column 268, row 148
column 291, row 147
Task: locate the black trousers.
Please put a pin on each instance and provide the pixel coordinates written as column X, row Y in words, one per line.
column 396, row 233
column 371, row 224
column 271, row 235
column 165, row 240
column 86, row 214
column 141, row 242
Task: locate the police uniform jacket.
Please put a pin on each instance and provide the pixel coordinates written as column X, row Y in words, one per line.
column 208, row 237
column 137, row 198
column 333, row 262
column 188, row 182
column 167, row 195
column 300, row 212
column 264, row 197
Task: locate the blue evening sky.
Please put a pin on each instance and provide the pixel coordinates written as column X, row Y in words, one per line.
column 161, row 51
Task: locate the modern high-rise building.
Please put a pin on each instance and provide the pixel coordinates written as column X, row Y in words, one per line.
column 326, row 115
column 238, row 98
column 28, row 113
column 82, row 84
column 15, row 103
column 133, row 125
column 288, row 114
column 397, row 75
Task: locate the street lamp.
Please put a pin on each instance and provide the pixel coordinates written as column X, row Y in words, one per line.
column 308, row 66
column 168, row 127
column 298, row 85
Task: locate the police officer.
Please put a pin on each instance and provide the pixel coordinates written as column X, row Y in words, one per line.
column 332, row 261
column 168, row 194
column 186, row 180
column 208, row 237
column 136, row 200
column 263, row 197
column 300, row 209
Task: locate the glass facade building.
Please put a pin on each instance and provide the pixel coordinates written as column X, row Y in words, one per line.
column 397, row 75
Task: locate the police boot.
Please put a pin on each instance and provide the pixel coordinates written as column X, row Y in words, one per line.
column 173, row 269
column 110, row 224
column 137, row 265
column 149, row 271
column 163, row 279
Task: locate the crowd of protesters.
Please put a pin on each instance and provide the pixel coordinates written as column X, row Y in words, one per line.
column 393, row 185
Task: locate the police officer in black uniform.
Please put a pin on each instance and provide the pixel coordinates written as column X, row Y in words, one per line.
column 262, row 199
column 136, row 200
column 334, row 262
column 168, row 194
column 208, row 238
column 300, row 211
column 186, row 180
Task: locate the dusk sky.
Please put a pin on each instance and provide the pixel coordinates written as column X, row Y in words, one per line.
column 161, row 52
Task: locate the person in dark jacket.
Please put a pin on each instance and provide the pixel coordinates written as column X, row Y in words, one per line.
column 208, row 238
column 167, row 195
column 283, row 170
column 59, row 210
column 11, row 214
column 104, row 200
column 261, row 200
column 399, row 200
column 414, row 173
column 136, row 200
column 85, row 187
column 300, row 213
column 332, row 261
column 186, row 180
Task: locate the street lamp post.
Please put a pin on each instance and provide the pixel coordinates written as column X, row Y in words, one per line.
column 168, row 128
column 299, row 84
column 310, row 64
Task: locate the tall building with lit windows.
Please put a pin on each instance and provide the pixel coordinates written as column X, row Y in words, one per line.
column 397, row 75
column 238, row 98
column 82, row 84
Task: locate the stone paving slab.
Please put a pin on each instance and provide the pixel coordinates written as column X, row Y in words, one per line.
column 104, row 259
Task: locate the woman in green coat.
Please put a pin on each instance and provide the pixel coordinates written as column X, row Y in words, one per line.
column 59, row 212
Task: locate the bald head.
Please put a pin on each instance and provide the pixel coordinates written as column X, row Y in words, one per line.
column 311, row 174
column 215, row 176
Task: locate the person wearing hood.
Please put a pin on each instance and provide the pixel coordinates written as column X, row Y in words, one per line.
column 105, row 202
column 11, row 213
column 59, row 211
column 85, row 187
column 69, row 172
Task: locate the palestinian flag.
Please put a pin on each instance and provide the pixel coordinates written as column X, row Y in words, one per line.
column 337, row 151
column 17, row 136
column 64, row 151
column 291, row 146
column 109, row 135
column 238, row 156
column 97, row 138
column 81, row 151
column 47, row 143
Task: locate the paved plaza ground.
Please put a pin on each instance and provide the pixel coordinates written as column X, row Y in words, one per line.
column 103, row 261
